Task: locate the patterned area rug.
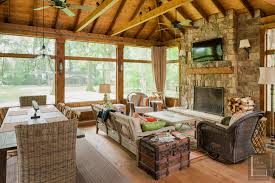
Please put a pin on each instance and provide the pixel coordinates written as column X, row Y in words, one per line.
column 92, row 167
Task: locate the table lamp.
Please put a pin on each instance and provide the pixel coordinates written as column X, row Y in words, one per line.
column 105, row 88
column 267, row 77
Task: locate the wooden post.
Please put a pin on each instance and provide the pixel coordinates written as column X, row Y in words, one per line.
column 3, row 166
column 60, row 70
column 119, row 73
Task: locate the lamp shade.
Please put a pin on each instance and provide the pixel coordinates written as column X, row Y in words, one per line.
column 267, row 75
column 244, row 43
column 104, row 88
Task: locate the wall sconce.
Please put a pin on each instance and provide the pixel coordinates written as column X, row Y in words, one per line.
column 244, row 43
column 60, row 68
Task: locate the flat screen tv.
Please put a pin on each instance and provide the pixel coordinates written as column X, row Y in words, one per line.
column 210, row 50
column 209, row 100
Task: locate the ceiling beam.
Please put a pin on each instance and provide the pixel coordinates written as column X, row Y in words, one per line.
column 171, row 19
column 219, row 6
column 33, row 13
column 200, row 10
column 248, row 7
column 122, row 3
column 150, row 15
column 182, row 12
column 56, row 18
column 25, row 30
column 78, row 15
column 137, row 10
column 101, row 9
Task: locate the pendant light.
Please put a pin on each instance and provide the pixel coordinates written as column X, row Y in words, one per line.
column 42, row 55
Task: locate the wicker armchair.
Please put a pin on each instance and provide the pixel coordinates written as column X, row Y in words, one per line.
column 27, row 100
column 46, row 152
column 231, row 143
column 134, row 99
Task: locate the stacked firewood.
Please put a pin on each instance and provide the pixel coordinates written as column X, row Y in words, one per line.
column 241, row 104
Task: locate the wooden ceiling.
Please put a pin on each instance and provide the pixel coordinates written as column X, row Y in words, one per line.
column 21, row 12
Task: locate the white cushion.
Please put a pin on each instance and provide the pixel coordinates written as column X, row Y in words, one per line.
column 237, row 116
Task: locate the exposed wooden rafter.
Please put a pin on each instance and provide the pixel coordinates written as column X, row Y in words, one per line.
column 152, row 32
column 136, row 12
column 93, row 26
column 182, row 12
column 25, row 30
column 139, row 30
column 169, row 30
column 268, row 19
column 101, row 9
column 150, row 15
column 78, row 15
column 171, row 19
column 219, row 6
column 248, row 6
column 122, row 3
column 56, row 19
column 200, row 10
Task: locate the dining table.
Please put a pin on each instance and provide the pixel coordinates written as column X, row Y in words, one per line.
column 22, row 116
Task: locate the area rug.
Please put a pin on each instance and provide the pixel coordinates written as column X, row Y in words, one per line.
column 92, row 167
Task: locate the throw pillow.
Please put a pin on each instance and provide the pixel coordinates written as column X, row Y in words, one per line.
column 137, row 124
column 153, row 126
column 237, row 116
column 148, row 119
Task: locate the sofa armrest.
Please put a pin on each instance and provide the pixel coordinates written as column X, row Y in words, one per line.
column 164, row 129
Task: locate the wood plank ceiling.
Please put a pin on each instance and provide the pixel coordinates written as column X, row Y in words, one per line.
column 21, row 12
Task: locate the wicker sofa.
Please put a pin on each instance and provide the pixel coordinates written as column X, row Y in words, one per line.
column 231, row 143
column 121, row 128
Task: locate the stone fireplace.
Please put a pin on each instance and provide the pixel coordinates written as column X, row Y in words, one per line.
column 237, row 73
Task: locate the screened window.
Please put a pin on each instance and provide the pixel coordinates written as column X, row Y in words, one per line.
column 25, row 45
column 172, row 72
column 137, row 53
column 82, row 80
column 25, row 76
column 88, row 49
column 138, row 77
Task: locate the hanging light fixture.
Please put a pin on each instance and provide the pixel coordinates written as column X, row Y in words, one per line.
column 43, row 51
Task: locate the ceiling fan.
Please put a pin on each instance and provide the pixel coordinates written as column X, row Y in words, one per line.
column 64, row 6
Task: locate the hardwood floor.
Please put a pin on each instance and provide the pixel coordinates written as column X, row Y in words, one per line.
column 202, row 170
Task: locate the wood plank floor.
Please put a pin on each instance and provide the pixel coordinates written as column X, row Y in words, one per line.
column 202, row 170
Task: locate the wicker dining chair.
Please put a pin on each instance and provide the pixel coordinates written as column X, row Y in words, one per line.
column 3, row 112
column 27, row 100
column 46, row 152
column 60, row 107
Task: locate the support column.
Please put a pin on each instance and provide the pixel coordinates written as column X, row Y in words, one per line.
column 119, row 73
column 59, row 70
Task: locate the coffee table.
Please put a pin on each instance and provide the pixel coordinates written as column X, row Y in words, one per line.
column 172, row 118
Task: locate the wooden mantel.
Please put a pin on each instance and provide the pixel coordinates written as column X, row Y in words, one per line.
column 210, row 70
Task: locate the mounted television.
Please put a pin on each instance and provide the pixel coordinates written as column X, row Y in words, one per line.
column 209, row 100
column 210, row 50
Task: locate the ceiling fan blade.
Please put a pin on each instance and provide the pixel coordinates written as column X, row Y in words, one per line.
column 41, row 8
column 68, row 12
column 75, row 6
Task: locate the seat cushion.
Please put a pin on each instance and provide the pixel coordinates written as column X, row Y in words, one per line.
column 143, row 110
column 151, row 126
